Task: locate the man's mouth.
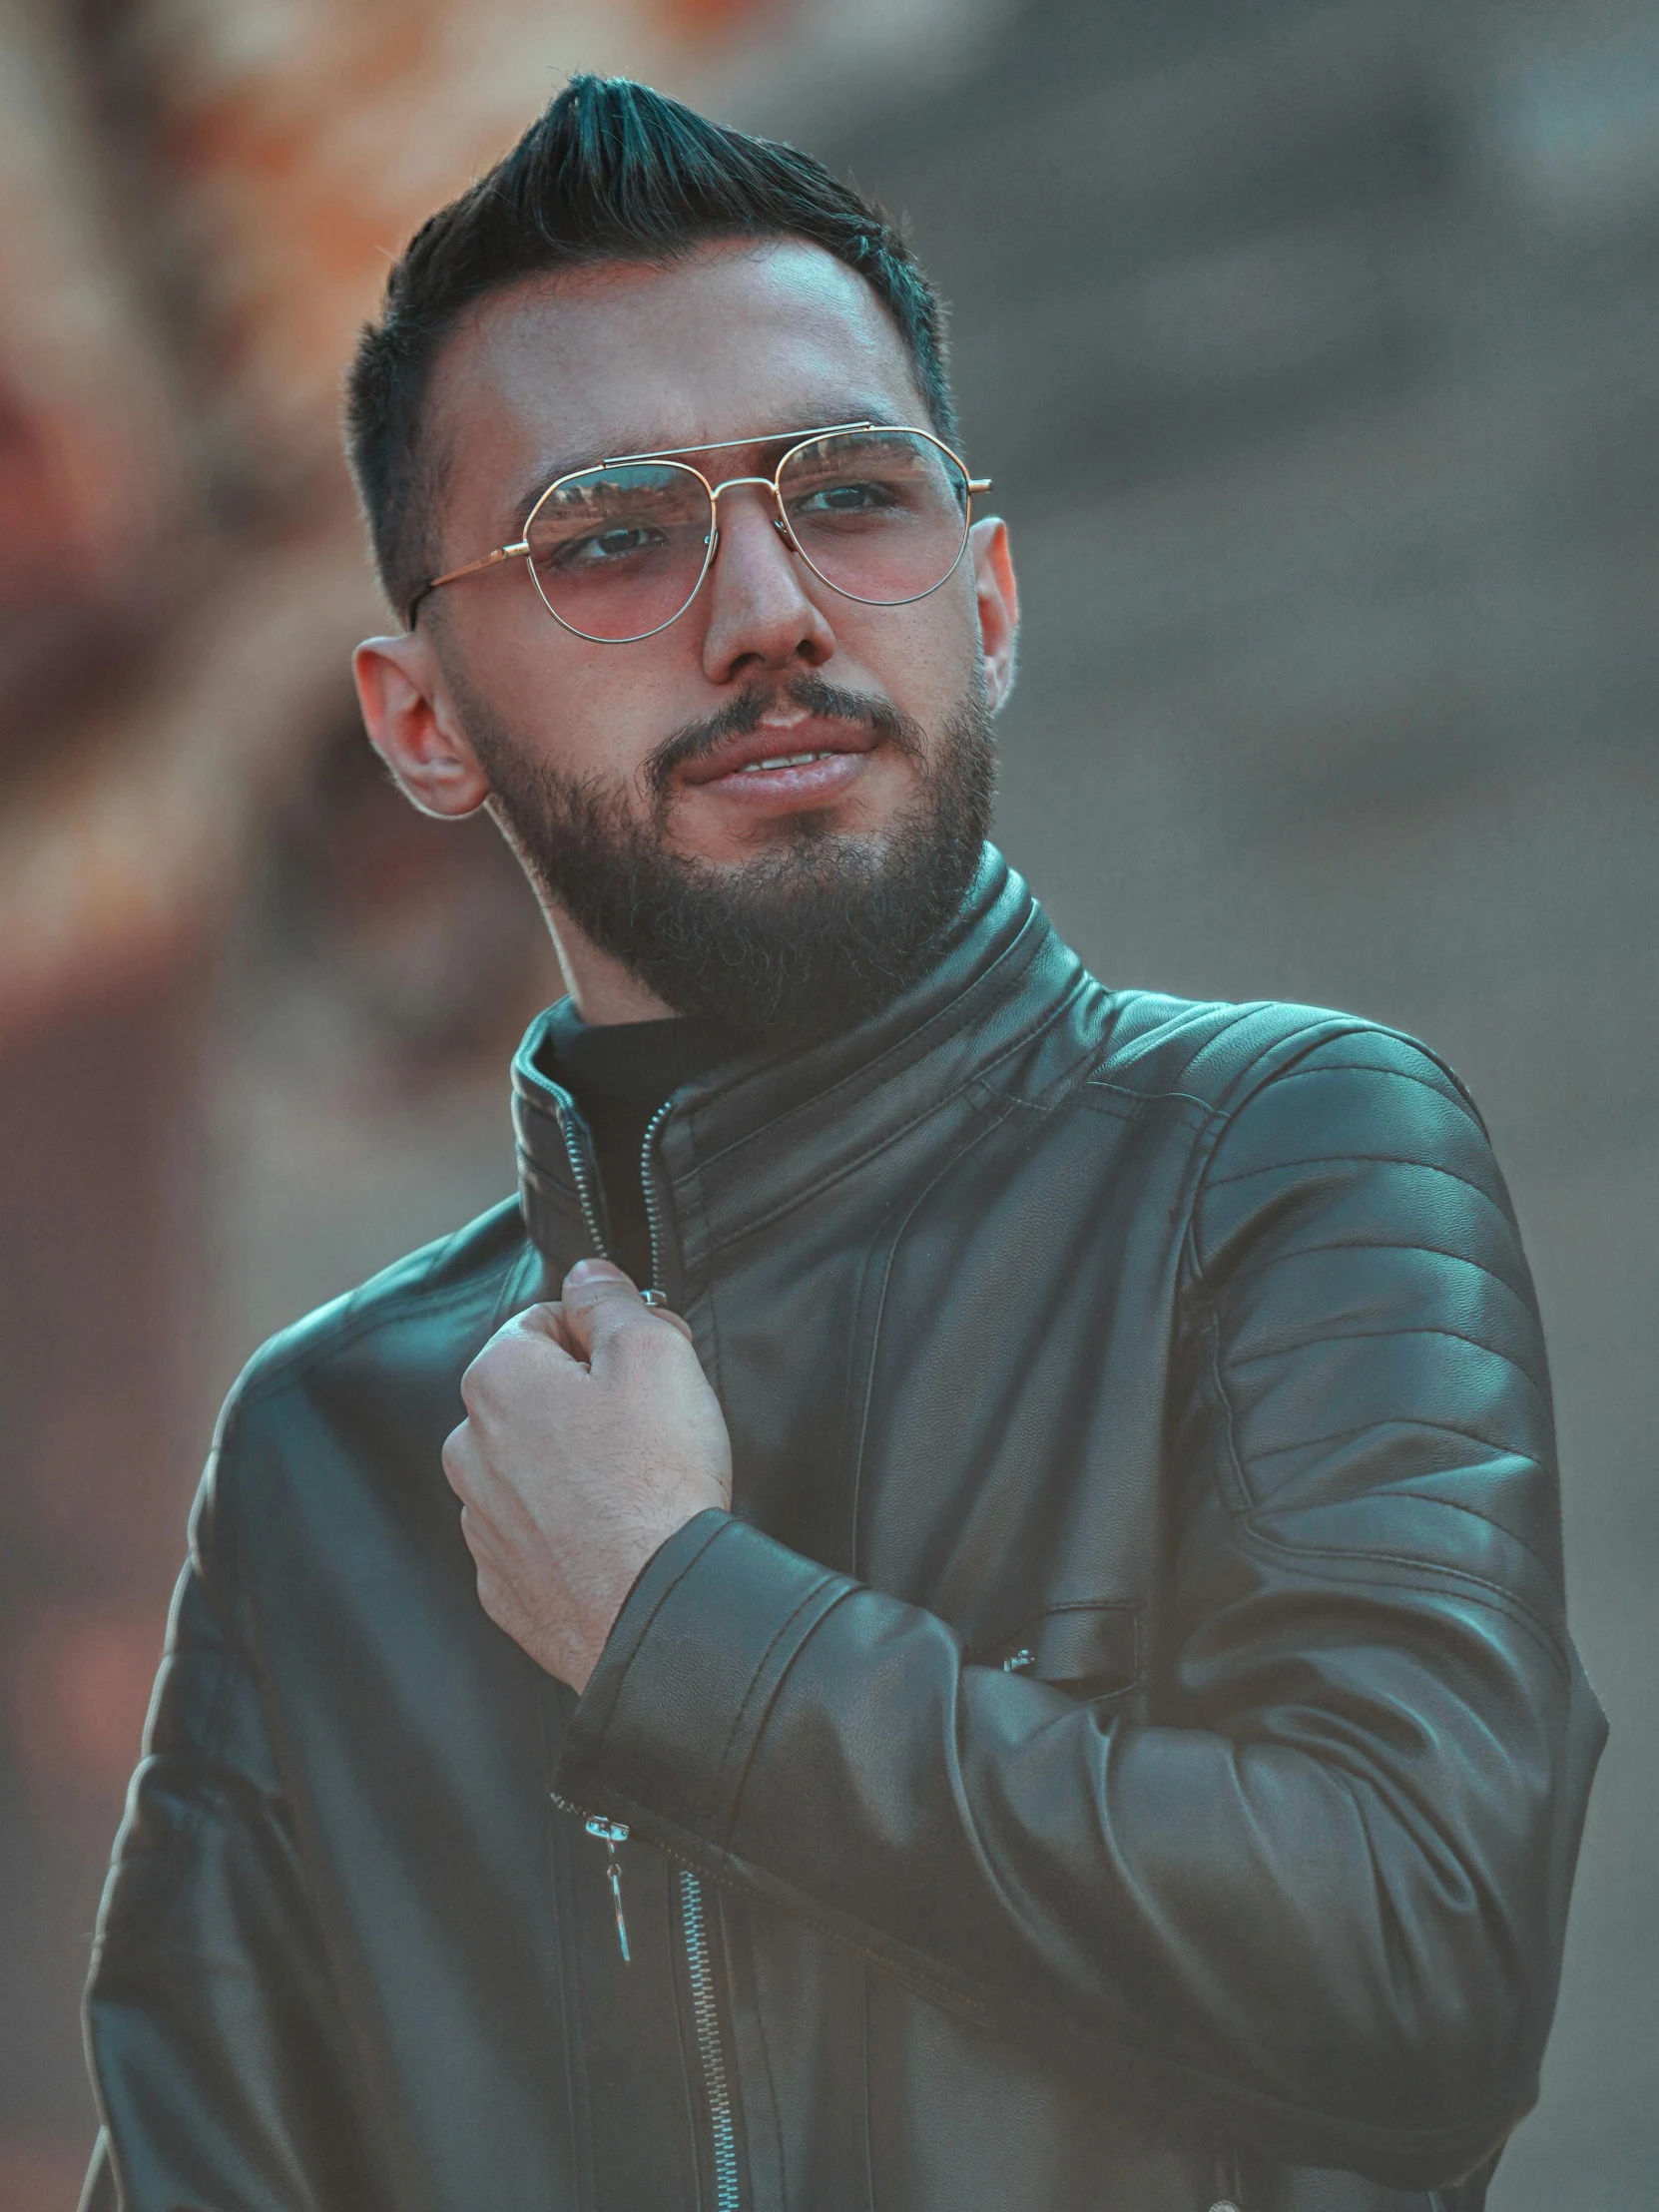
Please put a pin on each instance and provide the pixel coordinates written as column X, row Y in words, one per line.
column 779, row 753
column 759, row 753
column 782, row 759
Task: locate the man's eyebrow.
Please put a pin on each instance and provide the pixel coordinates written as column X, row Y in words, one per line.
column 552, row 466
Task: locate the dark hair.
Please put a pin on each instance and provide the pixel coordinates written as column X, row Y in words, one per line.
column 611, row 171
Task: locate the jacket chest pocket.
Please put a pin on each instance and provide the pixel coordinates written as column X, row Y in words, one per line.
column 1090, row 1650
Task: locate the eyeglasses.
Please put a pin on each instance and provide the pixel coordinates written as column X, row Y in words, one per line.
column 618, row 551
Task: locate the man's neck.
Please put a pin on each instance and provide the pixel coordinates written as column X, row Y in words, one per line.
column 602, row 989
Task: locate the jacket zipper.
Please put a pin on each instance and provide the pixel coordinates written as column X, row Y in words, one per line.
column 706, row 2019
column 582, row 1173
column 570, row 1128
column 652, row 1294
column 693, row 1917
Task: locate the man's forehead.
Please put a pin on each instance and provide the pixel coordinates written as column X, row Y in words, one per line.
column 733, row 340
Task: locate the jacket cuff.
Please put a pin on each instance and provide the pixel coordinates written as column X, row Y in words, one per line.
column 668, row 1724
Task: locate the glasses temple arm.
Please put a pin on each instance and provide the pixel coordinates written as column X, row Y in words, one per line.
column 451, row 576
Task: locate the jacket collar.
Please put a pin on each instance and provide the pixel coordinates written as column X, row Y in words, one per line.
column 742, row 1144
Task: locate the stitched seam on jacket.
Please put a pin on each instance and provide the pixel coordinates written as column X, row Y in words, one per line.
column 1456, row 1096
column 751, row 1691
column 757, row 1735
column 1242, row 1274
column 1350, row 1026
column 1298, row 1557
column 1475, row 1589
column 1447, row 1504
column 1399, row 1421
column 1246, row 1508
column 1308, row 1038
column 878, row 1319
column 975, row 1078
column 713, row 1537
column 1378, row 1335
column 1458, row 1505
column 1146, row 1100
column 974, row 1656
column 1298, row 1044
column 1357, row 1159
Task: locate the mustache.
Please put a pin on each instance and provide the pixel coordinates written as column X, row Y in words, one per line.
column 695, row 741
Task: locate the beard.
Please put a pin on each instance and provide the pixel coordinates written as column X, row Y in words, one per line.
column 821, row 929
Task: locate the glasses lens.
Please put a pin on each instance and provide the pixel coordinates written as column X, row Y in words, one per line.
column 883, row 515
column 618, row 552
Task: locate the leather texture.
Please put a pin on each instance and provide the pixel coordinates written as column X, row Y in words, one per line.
column 1125, row 1735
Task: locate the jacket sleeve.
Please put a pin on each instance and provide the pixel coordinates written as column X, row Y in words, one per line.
column 1323, row 1891
column 211, row 2030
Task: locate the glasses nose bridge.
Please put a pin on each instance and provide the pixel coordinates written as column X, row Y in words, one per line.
column 733, row 483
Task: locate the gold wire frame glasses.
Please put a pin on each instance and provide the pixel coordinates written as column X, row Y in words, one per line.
column 617, row 550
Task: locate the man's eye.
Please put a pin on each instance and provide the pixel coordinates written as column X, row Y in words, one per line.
column 605, row 548
column 845, row 499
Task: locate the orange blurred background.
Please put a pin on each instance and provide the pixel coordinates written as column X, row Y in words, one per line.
column 1312, row 347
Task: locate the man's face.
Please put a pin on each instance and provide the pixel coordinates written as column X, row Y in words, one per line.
column 648, row 742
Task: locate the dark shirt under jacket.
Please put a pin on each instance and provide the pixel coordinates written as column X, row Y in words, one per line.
column 619, row 1074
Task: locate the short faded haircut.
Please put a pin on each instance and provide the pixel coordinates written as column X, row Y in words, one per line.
column 611, row 172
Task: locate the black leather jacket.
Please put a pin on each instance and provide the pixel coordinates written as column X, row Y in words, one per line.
column 1122, row 1751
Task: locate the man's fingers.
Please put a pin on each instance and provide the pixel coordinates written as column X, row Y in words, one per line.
column 599, row 1300
column 549, row 1320
column 459, row 1459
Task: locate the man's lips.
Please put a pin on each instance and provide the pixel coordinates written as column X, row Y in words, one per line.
column 788, row 748
column 791, row 756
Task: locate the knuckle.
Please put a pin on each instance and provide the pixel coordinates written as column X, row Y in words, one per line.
column 640, row 1341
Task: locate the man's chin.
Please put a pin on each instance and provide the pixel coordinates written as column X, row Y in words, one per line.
column 807, row 931
column 734, row 849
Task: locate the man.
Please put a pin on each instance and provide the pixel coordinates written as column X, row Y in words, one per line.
column 960, row 1606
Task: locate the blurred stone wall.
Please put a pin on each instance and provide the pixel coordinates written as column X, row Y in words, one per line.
column 1311, row 348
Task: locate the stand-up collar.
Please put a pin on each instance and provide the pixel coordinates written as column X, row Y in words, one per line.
column 742, row 1144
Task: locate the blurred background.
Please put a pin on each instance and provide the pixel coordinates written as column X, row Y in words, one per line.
column 1313, row 348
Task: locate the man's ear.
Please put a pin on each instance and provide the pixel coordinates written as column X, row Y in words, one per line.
column 412, row 726
column 998, row 598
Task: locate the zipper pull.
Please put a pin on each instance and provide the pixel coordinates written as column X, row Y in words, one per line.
column 609, row 1834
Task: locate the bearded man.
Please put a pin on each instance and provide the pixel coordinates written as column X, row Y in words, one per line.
column 959, row 1606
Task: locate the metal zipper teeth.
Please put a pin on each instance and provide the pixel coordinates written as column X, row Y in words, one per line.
column 582, row 1175
column 568, row 1125
column 705, row 2012
column 652, row 1294
column 694, row 1925
column 707, row 2021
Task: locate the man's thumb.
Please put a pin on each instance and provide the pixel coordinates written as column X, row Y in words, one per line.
column 598, row 1299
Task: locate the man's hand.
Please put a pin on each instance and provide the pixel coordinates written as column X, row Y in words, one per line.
column 591, row 1435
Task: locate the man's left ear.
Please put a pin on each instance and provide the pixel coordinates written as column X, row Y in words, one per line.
column 412, row 726
column 997, row 594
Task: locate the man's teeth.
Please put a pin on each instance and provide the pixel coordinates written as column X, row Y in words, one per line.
column 785, row 759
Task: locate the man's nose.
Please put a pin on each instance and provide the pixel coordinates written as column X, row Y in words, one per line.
column 760, row 612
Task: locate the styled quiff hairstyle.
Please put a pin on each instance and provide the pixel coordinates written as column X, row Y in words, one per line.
column 611, row 172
